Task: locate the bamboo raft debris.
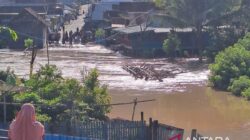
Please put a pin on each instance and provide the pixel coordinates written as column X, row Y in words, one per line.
column 148, row 72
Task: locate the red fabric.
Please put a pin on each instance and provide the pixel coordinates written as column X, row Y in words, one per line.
column 25, row 126
column 176, row 137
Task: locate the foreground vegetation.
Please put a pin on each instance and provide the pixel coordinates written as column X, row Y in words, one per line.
column 58, row 99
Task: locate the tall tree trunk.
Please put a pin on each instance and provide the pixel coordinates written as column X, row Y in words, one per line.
column 47, row 51
column 198, row 36
column 31, row 69
column 33, row 57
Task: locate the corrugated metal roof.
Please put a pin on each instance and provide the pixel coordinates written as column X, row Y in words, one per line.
column 135, row 29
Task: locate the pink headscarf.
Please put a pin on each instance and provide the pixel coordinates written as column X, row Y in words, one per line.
column 25, row 126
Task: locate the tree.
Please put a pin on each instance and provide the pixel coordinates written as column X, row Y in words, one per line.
column 96, row 96
column 171, row 45
column 10, row 31
column 198, row 14
column 9, row 77
column 239, row 85
column 99, row 33
column 230, row 64
column 221, row 38
column 5, row 31
column 160, row 3
column 28, row 43
column 8, row 80
column 62, row 99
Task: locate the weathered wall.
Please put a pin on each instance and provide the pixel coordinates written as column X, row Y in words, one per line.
column 28, row 27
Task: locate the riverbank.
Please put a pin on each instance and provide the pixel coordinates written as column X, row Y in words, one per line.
column 213, row 113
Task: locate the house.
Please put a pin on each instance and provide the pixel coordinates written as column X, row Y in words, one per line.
column 97, row 17
column 140, row 40
column 110, row 13
column 28, row 24
column 11, row 8
column 129, row 13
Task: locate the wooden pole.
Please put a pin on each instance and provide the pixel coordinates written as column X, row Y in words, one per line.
column 193, row 134
column 150, row 129
column 135, row 103
column 155, row 130
column 4, row 108
column 47, row 50
column 142, row 116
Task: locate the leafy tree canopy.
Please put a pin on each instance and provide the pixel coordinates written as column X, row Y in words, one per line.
column 231, row 63
column 10, row 31
column 28, row 42
column 58, row 99
column 171, row 45
column 99, row 33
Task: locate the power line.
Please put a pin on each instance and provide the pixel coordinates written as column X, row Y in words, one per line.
column 114, row 104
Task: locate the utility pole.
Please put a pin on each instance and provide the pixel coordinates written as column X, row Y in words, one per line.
column 4, row 108
column 135, row 103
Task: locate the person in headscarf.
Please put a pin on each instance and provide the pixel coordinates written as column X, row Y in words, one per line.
column 25, row 126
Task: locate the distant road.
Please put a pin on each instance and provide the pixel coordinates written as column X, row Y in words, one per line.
column 79, row 22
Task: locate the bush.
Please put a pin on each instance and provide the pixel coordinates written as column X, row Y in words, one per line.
column 171, row 45
column 245, row 42
column 99, row 33
column 28, row 42
column 231, row 69
column 246, row 93
column 229, row 65
column 11, row 32
column 58, row 99
column 9, row 77
column 240, row 85
column 96, row 96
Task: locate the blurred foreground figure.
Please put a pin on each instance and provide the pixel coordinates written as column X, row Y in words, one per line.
column 25, row 126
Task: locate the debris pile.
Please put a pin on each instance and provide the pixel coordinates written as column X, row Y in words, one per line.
column 148, row 72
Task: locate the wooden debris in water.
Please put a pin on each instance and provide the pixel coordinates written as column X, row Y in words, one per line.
column 148, row 72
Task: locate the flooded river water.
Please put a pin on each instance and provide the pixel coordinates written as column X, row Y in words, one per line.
column 183, row 101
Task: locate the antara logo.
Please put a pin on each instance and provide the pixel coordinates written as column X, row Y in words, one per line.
column 208, row 138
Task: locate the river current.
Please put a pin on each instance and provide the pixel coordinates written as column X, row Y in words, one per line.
column 72, row 61
column 183, row 101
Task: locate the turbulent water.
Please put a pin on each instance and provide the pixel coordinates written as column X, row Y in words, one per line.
column 72, row 61
column 183, row 101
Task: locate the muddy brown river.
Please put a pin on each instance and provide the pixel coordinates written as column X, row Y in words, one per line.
column 183, row 101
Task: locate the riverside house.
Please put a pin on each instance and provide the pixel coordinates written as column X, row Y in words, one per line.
column 28, row 24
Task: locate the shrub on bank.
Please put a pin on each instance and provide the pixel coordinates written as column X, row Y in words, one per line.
column 231, row 69
column 246, row 93
column 230, row 64
column 240, row 85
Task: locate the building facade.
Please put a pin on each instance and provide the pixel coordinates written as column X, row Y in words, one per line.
column 28, row 24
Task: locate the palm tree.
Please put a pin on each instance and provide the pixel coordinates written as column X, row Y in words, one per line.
column 198, row 14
